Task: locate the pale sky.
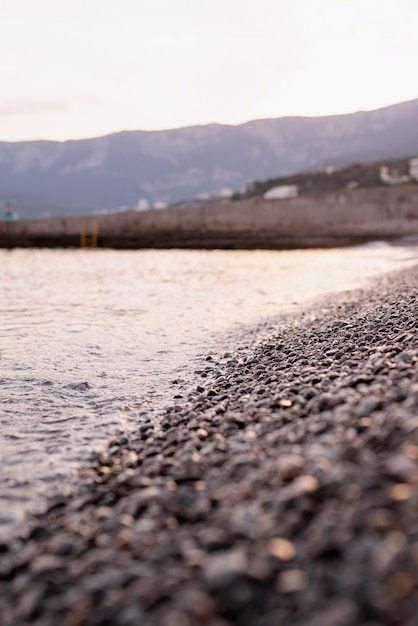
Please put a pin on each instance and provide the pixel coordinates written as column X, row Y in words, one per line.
column 83, row 68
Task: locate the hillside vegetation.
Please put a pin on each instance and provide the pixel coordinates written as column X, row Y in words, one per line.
column 361, row 174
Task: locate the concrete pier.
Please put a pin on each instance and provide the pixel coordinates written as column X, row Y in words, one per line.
column 317, row 220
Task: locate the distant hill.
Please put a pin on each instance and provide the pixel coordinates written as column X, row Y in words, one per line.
column 81, row 176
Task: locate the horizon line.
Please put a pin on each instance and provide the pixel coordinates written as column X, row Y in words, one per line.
column 204, row 124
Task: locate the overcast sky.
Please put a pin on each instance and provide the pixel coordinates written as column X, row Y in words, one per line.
column 83, row 68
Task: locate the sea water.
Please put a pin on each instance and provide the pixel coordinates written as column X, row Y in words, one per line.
column 90, row 340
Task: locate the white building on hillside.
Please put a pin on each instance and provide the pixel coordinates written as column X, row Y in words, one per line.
column 413, row 168
column 159, row 204
column 142, row 205
column 392, row 178
column 282, row 192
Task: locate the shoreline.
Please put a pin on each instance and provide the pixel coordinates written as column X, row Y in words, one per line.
column 281, row 489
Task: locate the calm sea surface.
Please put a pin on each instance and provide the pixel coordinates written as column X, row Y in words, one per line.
column 91, row 338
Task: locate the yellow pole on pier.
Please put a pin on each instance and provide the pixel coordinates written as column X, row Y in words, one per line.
column 89, row 240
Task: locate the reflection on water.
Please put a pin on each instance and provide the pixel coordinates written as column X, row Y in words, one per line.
column 88, row 336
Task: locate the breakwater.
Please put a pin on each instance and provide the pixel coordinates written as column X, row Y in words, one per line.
column 317, row 220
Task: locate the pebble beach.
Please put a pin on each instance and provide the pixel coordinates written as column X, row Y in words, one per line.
column 280, row 487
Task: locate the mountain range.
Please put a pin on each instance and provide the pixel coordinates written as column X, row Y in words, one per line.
column 138, row 168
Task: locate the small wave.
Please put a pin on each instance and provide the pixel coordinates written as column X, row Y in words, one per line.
column 374, row 244
column 84, row 386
